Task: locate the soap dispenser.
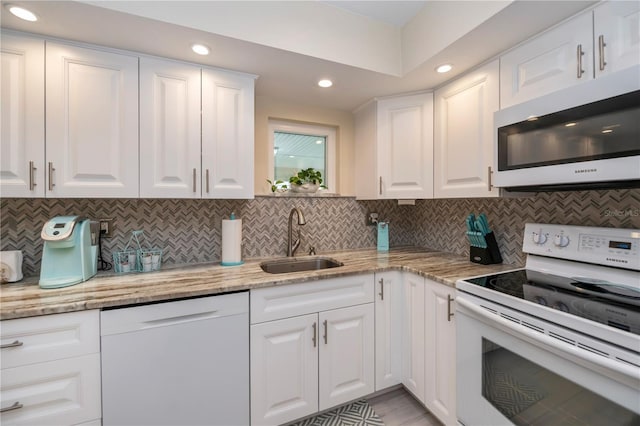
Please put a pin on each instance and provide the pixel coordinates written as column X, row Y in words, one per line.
column 383, row 236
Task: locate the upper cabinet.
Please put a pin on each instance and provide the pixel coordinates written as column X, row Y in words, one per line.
column 22, row 166
column 565, row 55
column 394, row 148
column 91, row 123
column 169, row 129
column 227, row 134
column 463, row 134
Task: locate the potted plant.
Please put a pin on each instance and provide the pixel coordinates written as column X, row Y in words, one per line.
column 307, row 180
column 278, row 186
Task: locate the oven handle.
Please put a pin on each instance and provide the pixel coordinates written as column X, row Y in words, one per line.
column 545, row 340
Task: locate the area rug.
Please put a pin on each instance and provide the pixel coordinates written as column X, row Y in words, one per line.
column 357, row 413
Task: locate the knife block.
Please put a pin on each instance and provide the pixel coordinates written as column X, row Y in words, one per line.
column 486, row 256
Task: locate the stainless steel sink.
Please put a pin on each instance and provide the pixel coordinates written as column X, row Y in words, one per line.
column 283, row 266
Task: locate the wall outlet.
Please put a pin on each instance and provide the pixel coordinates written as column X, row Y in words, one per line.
column 106, row 228
column 372, row 219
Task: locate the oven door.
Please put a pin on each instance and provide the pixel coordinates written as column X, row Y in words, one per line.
column 510, row 374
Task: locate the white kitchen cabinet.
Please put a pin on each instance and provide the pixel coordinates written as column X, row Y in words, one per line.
column 616, row 36
column 463, row 129
column 440, row 359
column 169, row 129
column 346, row 352
column 413, row 327
column 394, row 148
column 312, row 348
column 284, row 369
column 227, row 134
column 388, row 310
column 91, row 123
column 558, row 58
column 51, row 369
column 22, row 123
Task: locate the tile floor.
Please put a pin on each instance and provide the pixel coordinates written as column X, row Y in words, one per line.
column 399, row 408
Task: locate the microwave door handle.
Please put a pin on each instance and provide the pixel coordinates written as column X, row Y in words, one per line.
column 544, row 340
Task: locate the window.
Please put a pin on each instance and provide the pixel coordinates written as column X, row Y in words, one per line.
column 298, row 146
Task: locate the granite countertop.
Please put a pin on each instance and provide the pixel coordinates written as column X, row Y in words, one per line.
column 26, row 298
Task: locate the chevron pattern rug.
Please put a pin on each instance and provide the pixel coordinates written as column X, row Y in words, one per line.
column 357, row 413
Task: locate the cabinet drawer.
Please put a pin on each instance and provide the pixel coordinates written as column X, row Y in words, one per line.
column 47, row 338
column 65, row 391
column 299, row 299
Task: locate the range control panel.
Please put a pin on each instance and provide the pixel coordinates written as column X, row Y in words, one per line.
column 603, row 246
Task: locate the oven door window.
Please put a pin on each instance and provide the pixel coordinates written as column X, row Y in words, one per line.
column 606, row 129
column 529, row 394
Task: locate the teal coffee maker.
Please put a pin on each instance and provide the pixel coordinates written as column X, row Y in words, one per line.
column 70, row 254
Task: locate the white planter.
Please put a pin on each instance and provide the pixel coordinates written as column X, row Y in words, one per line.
column 307, row 188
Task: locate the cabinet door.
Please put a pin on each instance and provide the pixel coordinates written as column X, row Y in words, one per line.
column 22, row 123
column 346, row 354
column 284, row 370
column 66, row 391
column 440, row 359
column 388, row 308
column 463, row 129
column 617, row 36
column 405, row 147
column 227, row 135
column 413, row 343
column 169, row 129
column 91, row 123
column 549, row 62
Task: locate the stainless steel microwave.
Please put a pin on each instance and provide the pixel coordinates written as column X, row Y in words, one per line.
column 583, row 137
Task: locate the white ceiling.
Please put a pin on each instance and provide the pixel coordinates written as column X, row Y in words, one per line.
column 289, row 70
column 396, row 13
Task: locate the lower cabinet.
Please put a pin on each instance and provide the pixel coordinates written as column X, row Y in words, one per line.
column 309, row 362
column 389, row 302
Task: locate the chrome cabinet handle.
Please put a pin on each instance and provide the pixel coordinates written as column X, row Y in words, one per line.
column 579, row 54
column 13, row 344
column 380, row 190
column 449, row 313
column 601, row 45
column 194, row 179
column 325, row 331
column 51, row 170
column 489, row 183
column 32, row 182
column 207, row 180
column 315, row 332
column 381, row 294
column 16, row 405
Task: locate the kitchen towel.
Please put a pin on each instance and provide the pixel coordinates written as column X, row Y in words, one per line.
column 231, row 241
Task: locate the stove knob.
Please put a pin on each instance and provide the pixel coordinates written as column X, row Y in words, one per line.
column 539, row 238
column 560, row 306
column 561, row 240
column 540, row 300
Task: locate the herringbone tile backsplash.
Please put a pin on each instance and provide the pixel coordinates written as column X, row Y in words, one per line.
column 189, row 231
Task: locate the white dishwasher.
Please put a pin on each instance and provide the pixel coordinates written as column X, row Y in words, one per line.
column 177, row 363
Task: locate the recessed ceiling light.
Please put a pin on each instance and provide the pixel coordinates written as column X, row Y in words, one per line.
column 22, row 13
column 325, row 83
column 200, row 49
column 444, row 68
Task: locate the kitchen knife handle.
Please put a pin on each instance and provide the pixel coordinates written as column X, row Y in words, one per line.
column 16, row 405
column 380, row 190
column 32, row 182
column 13, row 344
column 315, row 332
column 449, row 313
column 207, row 179
column 601, row 45
column 489, row 184
column 579, row 54
column 51, row 170
column 194, row 179
column 381, row 294
column 326, row 332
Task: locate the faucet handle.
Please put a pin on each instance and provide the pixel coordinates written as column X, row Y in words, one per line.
column 312, row 251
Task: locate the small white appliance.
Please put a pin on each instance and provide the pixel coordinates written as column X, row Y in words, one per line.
column 11, row 265
column 583, row 137
column 557, row 341
column 70, row 253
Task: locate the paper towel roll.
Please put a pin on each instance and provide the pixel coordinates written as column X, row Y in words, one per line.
column 231, row 242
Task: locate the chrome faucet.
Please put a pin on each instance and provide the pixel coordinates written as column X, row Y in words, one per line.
column 292, row 246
